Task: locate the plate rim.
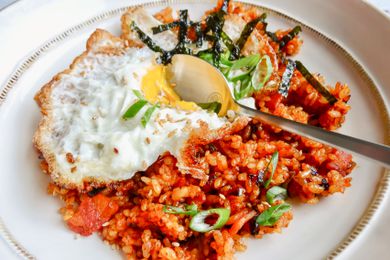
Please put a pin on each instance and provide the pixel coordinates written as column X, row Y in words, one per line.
column 383, row 184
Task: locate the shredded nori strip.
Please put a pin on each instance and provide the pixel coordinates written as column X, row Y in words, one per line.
column 227, row 41
column 214, row 23
column 286, row 78
column 183, row 26
column 165, row 27
column 273, row 36
column 288, row 37
column 315, row 83
column 248, row 29
column 166, row 56
column 199, row 34
column 146, row 39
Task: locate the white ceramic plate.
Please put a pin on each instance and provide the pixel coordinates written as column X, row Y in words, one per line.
column 33, row 227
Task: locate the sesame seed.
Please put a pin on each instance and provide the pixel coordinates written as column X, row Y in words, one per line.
column 147, row 140
column 172, row 133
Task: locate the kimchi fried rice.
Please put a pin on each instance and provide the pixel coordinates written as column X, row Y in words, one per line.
column 142, row 216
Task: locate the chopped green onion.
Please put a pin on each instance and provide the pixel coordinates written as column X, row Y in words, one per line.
column 228, row 42
column 146, row 117
column 248, row 61
column 134, row 109
column 286, row 78
column 276, row 193
column 243, row 88
column 262, row 72
column 246, row 32
column 274, row 162
column 190, row 210
column 272, row 214
column 288, row 37
column 212, row 106
column 207, row 56
column 225, row 59
column 138, row 94
column 315, row 83
column 198, row 222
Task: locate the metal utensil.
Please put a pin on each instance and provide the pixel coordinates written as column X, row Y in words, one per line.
column 200, row 82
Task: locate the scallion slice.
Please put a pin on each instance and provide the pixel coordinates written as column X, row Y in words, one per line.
column 276, row 193
column 272, row 214
column 211, row 106
column 138, row 93
column 243, row 88
column 190, row 210
column 134, row 109
column 198, row 223
column 246, row 62
column 315, row 83
column 262, row 72
column 146, row 117
column 274, row 163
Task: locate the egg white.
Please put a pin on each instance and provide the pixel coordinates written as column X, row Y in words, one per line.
column 87, row 109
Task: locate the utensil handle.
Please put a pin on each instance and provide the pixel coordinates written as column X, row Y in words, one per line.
column 377, row 152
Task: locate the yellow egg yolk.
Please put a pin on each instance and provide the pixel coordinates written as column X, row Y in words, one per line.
column 157, row 90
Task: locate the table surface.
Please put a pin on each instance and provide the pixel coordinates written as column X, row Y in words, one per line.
column 378, row 236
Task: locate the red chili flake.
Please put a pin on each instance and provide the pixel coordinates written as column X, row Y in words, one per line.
column 69, row 158
column 116, row 150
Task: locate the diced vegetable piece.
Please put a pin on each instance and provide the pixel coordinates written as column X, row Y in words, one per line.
column 92, row 213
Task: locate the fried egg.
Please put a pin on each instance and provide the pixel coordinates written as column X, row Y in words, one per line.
column 90, row 140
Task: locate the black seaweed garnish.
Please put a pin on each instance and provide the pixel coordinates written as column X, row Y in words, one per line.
column 248, row 29
column 315, row 83
column 214, row 23
column 288, row 37
column 286, row 78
